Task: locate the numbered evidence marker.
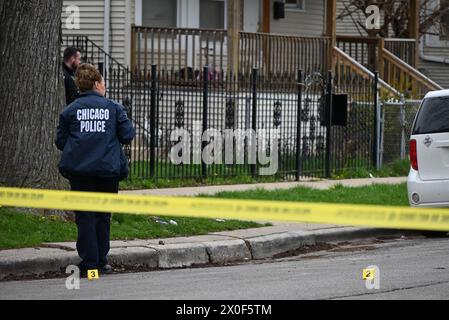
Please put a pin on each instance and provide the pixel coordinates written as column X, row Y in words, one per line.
column 368, row 274
column 93, row 274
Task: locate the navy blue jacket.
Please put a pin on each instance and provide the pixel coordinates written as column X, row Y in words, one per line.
column 90, row 134
column 71, row 90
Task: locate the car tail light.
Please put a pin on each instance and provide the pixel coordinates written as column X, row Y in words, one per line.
column 413, row 155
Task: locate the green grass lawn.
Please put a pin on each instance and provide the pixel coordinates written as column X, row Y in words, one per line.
column 399, row 168
column 19, row 229
column 139, row 184
column 379, row 194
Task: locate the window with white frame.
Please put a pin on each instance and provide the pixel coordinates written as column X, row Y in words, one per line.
column 298, row 5
column 212, row 14
column 160, row 13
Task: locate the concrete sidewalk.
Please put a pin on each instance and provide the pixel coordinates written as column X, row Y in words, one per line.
column 216, row 248
column 321, row 184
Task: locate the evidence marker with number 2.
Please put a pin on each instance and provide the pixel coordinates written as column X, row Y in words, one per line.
column 368, row 274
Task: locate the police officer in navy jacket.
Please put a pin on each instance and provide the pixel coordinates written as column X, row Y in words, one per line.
column 90, row 134
column 72, row 59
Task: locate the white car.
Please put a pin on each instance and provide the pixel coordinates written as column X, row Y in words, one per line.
column 428, row 180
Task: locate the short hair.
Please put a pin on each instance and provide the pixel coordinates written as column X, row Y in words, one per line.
column 70, row 52
column 86, row 76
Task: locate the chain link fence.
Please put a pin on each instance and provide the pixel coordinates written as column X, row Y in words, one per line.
column 396, row 124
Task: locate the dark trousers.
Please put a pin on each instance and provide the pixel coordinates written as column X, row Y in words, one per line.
column 93, row 227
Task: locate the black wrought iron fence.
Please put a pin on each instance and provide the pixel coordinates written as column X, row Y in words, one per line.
column 356, row 143
column 217, row 124
column 231, row 126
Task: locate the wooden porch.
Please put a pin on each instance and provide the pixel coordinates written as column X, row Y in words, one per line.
column 178, row 49
column 188, row 50
column 394, row 59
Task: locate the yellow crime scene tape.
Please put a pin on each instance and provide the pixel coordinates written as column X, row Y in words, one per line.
column 339, row 214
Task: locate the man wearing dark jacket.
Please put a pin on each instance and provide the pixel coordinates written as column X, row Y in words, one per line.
column 72, row 59
column 90, row 133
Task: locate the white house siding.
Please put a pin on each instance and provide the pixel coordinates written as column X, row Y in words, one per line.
column 438, row 72
column 346, row 26
column 118, row 29
column 92, row 24
column 310, row 22
column 132, row 13
column 437, row 51
column 91, row 19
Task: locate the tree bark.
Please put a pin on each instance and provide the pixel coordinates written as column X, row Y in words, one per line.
column 31, row 92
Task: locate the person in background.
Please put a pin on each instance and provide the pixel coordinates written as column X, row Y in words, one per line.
column 91, row 133
column 72, row 59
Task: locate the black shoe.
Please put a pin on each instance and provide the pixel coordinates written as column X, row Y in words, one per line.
column 106, row 269
column 84, row 271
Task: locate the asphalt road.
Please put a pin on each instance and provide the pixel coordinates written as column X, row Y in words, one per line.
column 409, row 269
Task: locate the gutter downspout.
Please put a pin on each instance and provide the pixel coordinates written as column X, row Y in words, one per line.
column 430, row 58
column 106, row 30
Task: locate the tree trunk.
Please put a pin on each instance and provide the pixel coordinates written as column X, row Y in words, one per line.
column 31, row 92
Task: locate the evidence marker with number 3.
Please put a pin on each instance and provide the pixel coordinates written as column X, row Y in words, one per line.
column 368, row 274
column 93, row 274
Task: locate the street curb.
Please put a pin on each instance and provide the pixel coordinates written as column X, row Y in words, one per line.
column 51, row 261
column 39, row 261
column 271, row 245
column 181, row 255
column 226, row 251
column 135, row 256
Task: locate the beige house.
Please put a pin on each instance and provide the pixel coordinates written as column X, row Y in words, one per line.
column 109, row 21
column 433, row 50
column 106, row 22
column 110, row 25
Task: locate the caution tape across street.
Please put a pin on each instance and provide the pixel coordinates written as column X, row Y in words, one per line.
column 340, row 214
